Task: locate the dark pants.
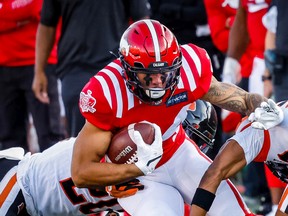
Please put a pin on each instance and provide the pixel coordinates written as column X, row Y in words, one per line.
column 72, row 84
column 281, row 87
column 278, row 67
column 17, row 100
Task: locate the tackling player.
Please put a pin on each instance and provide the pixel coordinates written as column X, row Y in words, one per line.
column 248, row 144
column 155, row 80
column 50, row 172
column 41, row 184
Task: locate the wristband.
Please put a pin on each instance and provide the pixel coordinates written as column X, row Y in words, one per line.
column 203, row 199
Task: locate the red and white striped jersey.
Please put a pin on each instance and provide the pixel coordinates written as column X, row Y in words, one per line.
column 107, row 103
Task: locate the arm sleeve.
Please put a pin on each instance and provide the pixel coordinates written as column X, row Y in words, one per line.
column 94, row 106
column 252, row 142
column 51, row 12
column 238, row 35
column 19, row 10
column 204, row 81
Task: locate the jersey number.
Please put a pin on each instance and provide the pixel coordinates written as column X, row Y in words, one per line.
column 85, row 206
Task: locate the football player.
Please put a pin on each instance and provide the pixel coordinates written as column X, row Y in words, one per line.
column 249, row 144
column 155, row 79
column 41, row 184
column 200, row 125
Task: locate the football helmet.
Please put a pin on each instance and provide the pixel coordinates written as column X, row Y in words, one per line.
column 279, row 169
column 201, row 124
column 150, row 48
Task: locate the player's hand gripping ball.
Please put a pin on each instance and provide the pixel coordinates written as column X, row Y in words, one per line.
column 123, row 149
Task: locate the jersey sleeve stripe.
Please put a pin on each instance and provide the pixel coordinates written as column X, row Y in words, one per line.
column 130, row 99
column 118, row 70
column 180, row 83
column 189, row 74
column 105, row 88
column 115, row 90
column 262, row 156
column 116, row 66
column 128, row 102
column 195, row 58
column 116, row 85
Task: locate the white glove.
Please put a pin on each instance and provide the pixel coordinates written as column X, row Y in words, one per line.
column 148, row 155
column 231, row 70
column 14, row 153
column 266, row 116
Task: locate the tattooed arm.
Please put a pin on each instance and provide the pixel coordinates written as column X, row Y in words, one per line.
column 233, row 98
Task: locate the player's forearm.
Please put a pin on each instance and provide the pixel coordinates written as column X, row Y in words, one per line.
column 229, row 161
column 87, row 170
column 45, row 39
column 211, row 179
column 252, row 102
column 205, row 193
column 232, row 98
column 104, row 174
column 197, row 211
column 238, row 37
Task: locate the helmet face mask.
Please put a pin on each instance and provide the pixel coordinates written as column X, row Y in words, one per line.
column 149, row 49
column 201, row 125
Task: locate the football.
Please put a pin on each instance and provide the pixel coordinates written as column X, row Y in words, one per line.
column 122, row 149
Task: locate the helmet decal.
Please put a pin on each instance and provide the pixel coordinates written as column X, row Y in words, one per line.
column 124, row 46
